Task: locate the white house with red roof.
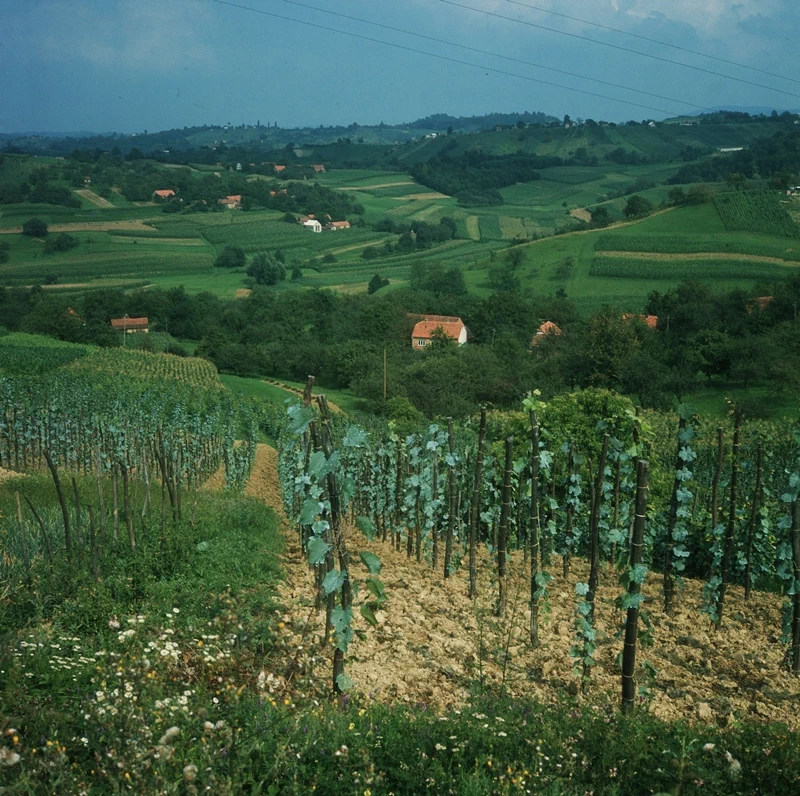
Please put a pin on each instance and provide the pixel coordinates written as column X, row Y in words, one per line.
column 231, row 202
column 431, row 325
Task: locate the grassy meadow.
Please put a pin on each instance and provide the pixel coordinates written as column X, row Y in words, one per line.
column 725, row 243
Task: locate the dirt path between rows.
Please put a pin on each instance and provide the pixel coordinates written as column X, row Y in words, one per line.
column 371, row 187
column 756, row 258
column 89, row 226
column 94, row 198
column 433, row 645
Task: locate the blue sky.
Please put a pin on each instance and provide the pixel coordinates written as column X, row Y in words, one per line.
column 131, row 65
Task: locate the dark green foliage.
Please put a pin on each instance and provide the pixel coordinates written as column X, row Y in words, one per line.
column 600, row 217
column 63, row 243
column 376, row 283
column 265, row 269
column 231, row 257
column 637, row 206
column 3, row 251
column 474, row 172
column 34, row 228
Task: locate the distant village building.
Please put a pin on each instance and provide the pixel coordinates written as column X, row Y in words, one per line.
column 165, row 193
column 128, row 325
column 231, row 202
column 430, row 325
column 318, row 168
column 334, row 225
column 547, row 328
column 648, row 320
column 279, row 169
column 312, row 224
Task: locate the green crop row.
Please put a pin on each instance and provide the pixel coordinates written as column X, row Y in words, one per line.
column 641, row 268
column 147, row 366
column 755, row 211
column 695, row 244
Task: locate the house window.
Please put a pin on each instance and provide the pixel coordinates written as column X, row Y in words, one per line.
column 420, row 342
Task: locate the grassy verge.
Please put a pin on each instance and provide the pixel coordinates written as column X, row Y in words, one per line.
column 168, row 674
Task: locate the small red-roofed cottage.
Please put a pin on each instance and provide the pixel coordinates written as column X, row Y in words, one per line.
column 547, row 328
column 318, row 168
column 334, row 225
column 231, row 202
column 651, row 321
column 128, row 325
column 166, row 193
column 279, row 169
column 430, row 325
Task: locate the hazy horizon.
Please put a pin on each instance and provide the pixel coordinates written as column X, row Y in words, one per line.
column 129, row 65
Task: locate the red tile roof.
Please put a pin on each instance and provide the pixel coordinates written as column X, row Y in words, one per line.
column 647, row 320
column 318, row 167
column 164, row 194
column 548, row 327
column 449, row 325
column 129, row 323
column 340, row 224
column 279, row 168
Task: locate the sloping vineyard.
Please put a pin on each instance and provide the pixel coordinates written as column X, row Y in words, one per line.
column 130, row 438
column 755, row 211
column 645, row 503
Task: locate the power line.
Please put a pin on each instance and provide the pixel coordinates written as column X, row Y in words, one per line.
column 486, row 69
column 494, row 55
column 618, row 47
column 652, row 41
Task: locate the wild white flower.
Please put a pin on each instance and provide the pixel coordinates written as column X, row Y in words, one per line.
column 735, row 767
column 709, row 747
column 113, row 624
column 7, row 757
column 169, row 735
column 440, row 748
column 176, row 610
column 189, row 772
column 208, row 726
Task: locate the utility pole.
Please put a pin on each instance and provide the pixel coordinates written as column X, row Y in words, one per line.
column 384, row 374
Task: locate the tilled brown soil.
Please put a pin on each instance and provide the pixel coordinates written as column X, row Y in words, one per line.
column 433, row 645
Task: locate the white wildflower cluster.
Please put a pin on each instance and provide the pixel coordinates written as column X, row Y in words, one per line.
column 164, row 750
column 179, row 704
column 65, row 654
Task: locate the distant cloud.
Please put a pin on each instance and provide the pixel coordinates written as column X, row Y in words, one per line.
column 714, row 18
column 127, row 34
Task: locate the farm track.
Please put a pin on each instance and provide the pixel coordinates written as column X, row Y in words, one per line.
column 426, row 649
column 366, row 188
column 94, row 198
column 756, row 258
column 91, row 226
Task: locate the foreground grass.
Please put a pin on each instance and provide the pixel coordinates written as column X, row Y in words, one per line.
column 168, row 673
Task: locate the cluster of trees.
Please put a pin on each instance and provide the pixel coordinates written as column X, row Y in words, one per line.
column 416, row 236
column 41, row 185
column 702, row 337
column 774, row 157
column 474, row 174
column 266, row 269
column 61, row 243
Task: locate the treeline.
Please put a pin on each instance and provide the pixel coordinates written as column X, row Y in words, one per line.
column 416, row 236
column 776, row 157
column 21, row 182
column 472, row 175
column 702, row 338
